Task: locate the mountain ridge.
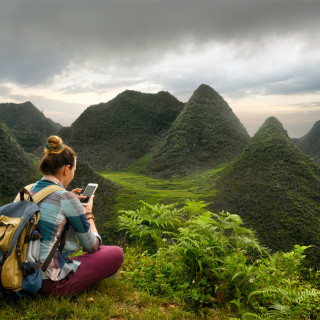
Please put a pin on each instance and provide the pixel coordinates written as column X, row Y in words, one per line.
column 310, row 143
column 123, row 130
column 206, row 133
column 28, row 124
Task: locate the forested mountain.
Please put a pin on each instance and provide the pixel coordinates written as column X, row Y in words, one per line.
column 30, row 127
column 205, row 134
column 275, row 188
column 310, row 143
column 118, row 133
column 16, row 167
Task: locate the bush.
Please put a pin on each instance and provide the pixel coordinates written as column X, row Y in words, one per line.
column 204, row 259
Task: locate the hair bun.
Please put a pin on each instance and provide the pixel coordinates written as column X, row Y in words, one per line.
column 54, row 145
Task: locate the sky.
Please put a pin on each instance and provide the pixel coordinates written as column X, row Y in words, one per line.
column 261, row 56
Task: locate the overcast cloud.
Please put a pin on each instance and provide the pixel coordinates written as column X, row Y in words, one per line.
column 263, row 57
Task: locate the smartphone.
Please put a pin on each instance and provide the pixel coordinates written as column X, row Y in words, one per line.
column 88, row 192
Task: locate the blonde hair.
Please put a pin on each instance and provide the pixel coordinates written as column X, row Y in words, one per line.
column 56, row 155
column 54, row 145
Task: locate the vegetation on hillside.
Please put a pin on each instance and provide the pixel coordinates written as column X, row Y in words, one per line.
column 116, row 134
column 206, row 133
column 134, row 188
column 203, row 260
column 17, row 168
column 275, row 188
column 310, row 143
column 30, row 127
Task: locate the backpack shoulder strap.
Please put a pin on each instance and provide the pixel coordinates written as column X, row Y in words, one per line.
column 41, row 194
column 45, row 192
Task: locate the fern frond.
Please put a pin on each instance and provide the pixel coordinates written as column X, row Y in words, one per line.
column 264, row 292
column 277, row 308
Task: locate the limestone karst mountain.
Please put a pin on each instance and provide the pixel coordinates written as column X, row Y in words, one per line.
column 275, row 188
column 16, row 167
column 310, row 143
column 120, row 132
column 206, row 133
column 29, row 125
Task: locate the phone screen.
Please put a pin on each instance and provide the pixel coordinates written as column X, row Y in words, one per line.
column 88, row 192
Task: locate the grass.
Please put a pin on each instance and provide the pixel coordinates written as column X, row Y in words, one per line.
column 110, row 299
column 136, row 187
column 118, row 299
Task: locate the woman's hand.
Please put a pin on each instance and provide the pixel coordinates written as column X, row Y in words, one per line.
column 89, row 206
column 76, row 191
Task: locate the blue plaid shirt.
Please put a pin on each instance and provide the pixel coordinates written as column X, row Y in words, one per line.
column 55, row 210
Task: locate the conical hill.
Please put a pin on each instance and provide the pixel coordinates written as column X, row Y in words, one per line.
column 118, row 133
column 275, row 188
column 16, row 167
column 310, row 143
column 205, row 133
column 30, row 127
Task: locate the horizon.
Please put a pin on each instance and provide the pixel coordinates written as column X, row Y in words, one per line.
column 262, row 56
column 250, row 133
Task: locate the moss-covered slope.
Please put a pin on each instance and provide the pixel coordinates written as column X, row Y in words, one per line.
column 30, row 127
column 310, row 143
column 118, row 133
column 275, row 188
column 16, row 167
column 205, row 133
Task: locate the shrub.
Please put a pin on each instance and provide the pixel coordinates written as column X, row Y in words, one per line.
column 203, row 259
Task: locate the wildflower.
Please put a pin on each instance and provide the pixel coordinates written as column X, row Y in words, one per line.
column 193, row 281
column 251, row 280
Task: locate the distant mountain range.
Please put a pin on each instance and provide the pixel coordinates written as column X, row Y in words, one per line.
column 30, row 127
column 269, row 179
column 157, row 134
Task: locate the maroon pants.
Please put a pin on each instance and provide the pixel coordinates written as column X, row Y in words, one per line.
column 94, row 267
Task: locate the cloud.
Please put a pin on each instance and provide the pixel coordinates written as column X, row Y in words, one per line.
column 72, row 54
column 42, row 38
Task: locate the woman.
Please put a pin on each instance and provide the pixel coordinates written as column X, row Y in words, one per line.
column 60, row 209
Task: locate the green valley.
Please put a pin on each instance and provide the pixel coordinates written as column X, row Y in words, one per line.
column 135, row 187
